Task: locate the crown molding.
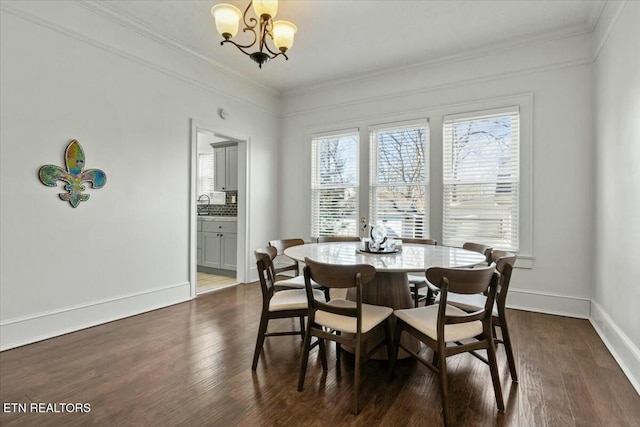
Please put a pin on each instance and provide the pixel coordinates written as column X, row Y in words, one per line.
column 478, row 52
column 596, row 14
column 609, row 15
column 109, row 12
column 38, row 20
column 437, row 87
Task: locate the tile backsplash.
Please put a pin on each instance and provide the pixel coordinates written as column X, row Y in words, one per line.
column 228, row 209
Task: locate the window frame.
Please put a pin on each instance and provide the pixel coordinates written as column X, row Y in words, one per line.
column 374, row 186
column 314, row 216
column 492, row 216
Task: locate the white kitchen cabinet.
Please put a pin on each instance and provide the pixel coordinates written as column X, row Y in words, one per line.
column 211, row 249
column 228, row 251
column 226, row 168
column 219, row 244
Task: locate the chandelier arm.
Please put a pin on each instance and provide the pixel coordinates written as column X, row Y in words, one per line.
column 240, row 47
column 268, row 26
column 245, row 46
column 247, row 27
column 266, row 46
column 266, row 31
column 261, row 35
column 244, row 17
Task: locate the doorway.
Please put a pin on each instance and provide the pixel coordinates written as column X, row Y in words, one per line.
column 218, row 208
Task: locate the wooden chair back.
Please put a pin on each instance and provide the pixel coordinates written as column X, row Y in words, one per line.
column 464, row 281
column 480, row 248
column 283, row 244
column 280, row 246
column 504, row 265
column 420, row 241
column 266, row 274
column 502, row 259
column 337, row 276
column 323, row 239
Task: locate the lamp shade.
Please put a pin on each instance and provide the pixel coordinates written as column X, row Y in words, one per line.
column 283, row 32
column 227, row 19
column 265, row 7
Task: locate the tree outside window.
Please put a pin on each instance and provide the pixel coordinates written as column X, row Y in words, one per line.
column 399, row 180
column 334, row 185
column 481, row 180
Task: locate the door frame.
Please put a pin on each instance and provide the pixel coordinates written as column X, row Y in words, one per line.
column 244, row 143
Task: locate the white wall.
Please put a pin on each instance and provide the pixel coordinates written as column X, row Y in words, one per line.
column 68, row 72
column 616, row 291
column 555, row 77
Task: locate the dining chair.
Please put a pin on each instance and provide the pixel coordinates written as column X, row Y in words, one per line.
column 348, row 323
column 323, row 239
column 295, row 282
column 480, row 248
column 277, row 305
column 419, row 281
column 443, row 327
column 281, row 245
column 504, row 265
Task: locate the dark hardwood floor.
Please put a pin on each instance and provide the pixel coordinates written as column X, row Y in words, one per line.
column 190, row 365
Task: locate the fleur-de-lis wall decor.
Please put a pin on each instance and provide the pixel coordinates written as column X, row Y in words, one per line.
column 74, row 175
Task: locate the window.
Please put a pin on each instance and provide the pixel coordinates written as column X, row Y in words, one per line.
column 481, row 181
column 399, row 179
column 334, row 184
column 205, row 173
column 205, row 184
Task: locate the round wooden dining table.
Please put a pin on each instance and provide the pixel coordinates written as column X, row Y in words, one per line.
column 390, row 286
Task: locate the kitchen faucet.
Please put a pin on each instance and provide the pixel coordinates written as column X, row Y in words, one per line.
column 204, row 195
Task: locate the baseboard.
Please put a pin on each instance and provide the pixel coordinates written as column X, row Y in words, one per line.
column 626, row 354
column 621, row 347
column 29, row 329
column 541, row 302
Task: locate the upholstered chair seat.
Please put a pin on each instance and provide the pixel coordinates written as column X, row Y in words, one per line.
column 372, row 316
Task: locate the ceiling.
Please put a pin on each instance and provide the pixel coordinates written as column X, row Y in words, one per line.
column 343, row 39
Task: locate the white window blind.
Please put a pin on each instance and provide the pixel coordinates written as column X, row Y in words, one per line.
column 399, row 179
column 481, row 164
column 334, row 184
column 205, row 173
column 205, row 184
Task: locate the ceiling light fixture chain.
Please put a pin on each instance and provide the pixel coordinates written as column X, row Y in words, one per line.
column 227, row 18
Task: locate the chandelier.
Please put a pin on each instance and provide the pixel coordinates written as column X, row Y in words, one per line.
column 281, row 33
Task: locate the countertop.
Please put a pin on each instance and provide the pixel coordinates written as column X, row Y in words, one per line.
column 217, row 218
